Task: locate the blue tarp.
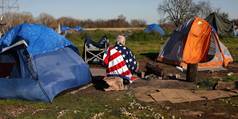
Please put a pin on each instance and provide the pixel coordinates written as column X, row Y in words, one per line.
column 154, row 28
column 66, row 28
column 78, row 28
column 45, row 72
column 40, row 39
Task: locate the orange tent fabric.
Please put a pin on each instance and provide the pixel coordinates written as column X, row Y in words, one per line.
column 197, row 43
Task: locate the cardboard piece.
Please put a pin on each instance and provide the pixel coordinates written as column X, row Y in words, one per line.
column 183, row 95
column 175, row 95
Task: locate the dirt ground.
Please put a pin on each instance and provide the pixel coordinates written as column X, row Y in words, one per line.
column 214, row 109
column 226, row 108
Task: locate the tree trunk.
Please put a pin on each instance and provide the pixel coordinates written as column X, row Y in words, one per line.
column 192, row 70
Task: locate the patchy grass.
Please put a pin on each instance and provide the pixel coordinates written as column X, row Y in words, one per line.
column 231, row 44
column 96, row 104
column 230, row 78
column 208, row 83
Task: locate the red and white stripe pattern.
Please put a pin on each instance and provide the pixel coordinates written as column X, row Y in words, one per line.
column 116, row 64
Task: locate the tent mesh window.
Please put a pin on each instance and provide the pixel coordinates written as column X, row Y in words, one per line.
column 212, row 49
column 9, row 63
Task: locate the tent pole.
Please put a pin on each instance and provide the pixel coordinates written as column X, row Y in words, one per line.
column 192, row 71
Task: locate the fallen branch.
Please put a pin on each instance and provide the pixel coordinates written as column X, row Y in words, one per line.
column 82, row 88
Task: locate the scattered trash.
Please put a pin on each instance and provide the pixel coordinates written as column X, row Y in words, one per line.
column 142, row 74
column 160, row 78
column 152, row 77
column 230, row 74
column 61, row 113
column 167, row 108
column 174, row 76
column 198, row 86
column 179, row 68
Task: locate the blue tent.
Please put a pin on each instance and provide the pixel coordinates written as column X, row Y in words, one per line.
column 66, row 28
column 46, row 66
column 154, row 28
column 78, row 28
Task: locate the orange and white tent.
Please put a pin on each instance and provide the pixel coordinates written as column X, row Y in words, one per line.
column 195, row 42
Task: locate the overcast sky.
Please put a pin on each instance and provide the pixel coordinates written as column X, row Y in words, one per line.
column 107, row 9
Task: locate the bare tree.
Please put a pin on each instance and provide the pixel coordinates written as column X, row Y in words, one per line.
column 121, row 21
column 202, row 9
column 46, row 19
column 178, row 11
column 12, row 19
column 137, row 23
column 68, row 21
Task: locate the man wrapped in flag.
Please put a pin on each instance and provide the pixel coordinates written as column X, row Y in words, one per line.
column 120, row 60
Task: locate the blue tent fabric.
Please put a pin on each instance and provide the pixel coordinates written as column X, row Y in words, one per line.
column 39, row 38
column 78, row 28
column 66, row 28
column 22, row 88
column 155, row 28
column 69, row 72
column 43, row 74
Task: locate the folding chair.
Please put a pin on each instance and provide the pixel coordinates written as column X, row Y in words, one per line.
column 93, row 51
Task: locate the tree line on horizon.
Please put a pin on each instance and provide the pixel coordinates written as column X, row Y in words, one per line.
column 175, row 12
column 13, row 18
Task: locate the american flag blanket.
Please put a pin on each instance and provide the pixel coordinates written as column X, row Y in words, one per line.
column 120, row 61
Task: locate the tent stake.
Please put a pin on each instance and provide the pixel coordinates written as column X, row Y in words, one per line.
column 192, row 71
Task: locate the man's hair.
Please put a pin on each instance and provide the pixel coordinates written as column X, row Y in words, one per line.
column 121, row 39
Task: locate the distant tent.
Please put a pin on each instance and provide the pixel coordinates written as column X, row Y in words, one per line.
column 67, row 28
column 154, row 28
column 220, row 24
column 36, row 64
column 195, row 42
column 78, row 28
